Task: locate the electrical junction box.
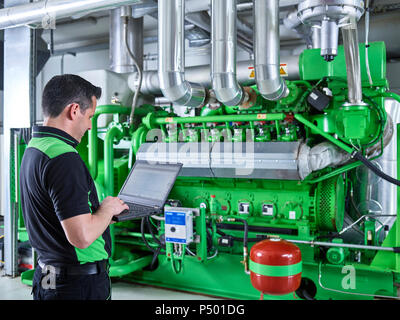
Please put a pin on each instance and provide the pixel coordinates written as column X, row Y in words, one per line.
column 179, row 225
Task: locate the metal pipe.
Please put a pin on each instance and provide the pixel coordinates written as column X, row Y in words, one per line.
column 316, row 38
column 204, row 5
column 267, row 50
column 112, row 134
column 171, row 56
column 107, row 109
column 352, row 55
column 391, row 95
column 345, row 245
column 201, row 74
column 120, row 60
column 223, row 56
column 138, row 137
column 203, row 21
column 43, row 12
column 313, row 127
column 222, row 118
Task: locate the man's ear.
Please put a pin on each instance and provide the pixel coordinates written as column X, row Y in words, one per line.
column 72, row 110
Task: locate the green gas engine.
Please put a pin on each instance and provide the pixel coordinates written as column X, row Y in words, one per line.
column 289, row 170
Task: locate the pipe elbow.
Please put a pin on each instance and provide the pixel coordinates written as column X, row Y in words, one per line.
column 273, row 89
column 182, row 92
column 227, row 90
column 267, row 50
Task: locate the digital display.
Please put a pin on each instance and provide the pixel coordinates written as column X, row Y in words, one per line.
column 150, row 182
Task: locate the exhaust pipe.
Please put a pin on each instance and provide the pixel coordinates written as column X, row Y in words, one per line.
column 352, row 55
column 223, row 57
column 39, row 13
column 267, row 50
column 120, row 60
column 171, row 56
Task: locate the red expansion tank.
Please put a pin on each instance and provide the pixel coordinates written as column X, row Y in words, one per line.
column 275, row 267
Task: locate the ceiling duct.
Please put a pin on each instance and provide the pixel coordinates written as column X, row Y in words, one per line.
column 44, row 13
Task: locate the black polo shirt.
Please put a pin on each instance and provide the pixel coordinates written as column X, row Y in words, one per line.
column 56, row 185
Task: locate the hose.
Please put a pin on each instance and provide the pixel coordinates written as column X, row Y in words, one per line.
column 367, row 12
column 373, row 168
column 139, row 70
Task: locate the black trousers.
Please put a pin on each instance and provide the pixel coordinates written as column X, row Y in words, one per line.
column 47, row 286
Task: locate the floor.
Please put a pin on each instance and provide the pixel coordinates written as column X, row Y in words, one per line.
column 13, row 289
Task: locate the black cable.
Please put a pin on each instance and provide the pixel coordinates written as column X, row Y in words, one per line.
column 246, row 231
column 152, row 233
column 155, row 256
column 241, row 239
column 144, row 238
column 373, row 168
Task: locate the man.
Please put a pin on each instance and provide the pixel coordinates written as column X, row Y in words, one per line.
column 66, row 225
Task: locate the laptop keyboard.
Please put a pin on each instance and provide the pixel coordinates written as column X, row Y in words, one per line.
column 135, row 211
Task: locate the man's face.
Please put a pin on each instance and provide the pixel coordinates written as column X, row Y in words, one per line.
column 84, row 120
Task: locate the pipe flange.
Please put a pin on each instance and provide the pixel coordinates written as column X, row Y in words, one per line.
column 252, row 98
column 312, row 12
column 115, row 124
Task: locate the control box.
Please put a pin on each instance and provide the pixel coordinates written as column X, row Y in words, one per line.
column 179, row 225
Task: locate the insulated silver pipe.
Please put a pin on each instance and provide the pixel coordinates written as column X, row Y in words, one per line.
column 120, row 60
column 223, row 55
column 201, row 74
column 352, row 55
column 171, row 56
column 41, row 12
column 267, row 50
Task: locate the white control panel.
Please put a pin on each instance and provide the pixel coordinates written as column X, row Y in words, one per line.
column 178, row 225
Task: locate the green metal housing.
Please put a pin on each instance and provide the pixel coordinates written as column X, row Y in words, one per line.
column 308, row 211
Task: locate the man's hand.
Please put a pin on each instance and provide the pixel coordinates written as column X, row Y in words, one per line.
column 113, row 206
column 83, row 229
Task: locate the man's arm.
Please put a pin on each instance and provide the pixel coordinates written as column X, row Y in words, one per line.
column 82, row 230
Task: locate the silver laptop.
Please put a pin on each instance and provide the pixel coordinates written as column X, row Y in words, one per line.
column 146, row 189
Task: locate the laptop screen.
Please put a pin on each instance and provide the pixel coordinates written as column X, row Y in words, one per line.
column 150, row 182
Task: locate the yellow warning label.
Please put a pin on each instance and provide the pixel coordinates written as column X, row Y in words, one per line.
column 283, row 70
column 252, row 73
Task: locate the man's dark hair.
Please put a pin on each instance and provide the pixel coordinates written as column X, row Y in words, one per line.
column 65, row 89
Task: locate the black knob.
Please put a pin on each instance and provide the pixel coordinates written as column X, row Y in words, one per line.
column 173, row 229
